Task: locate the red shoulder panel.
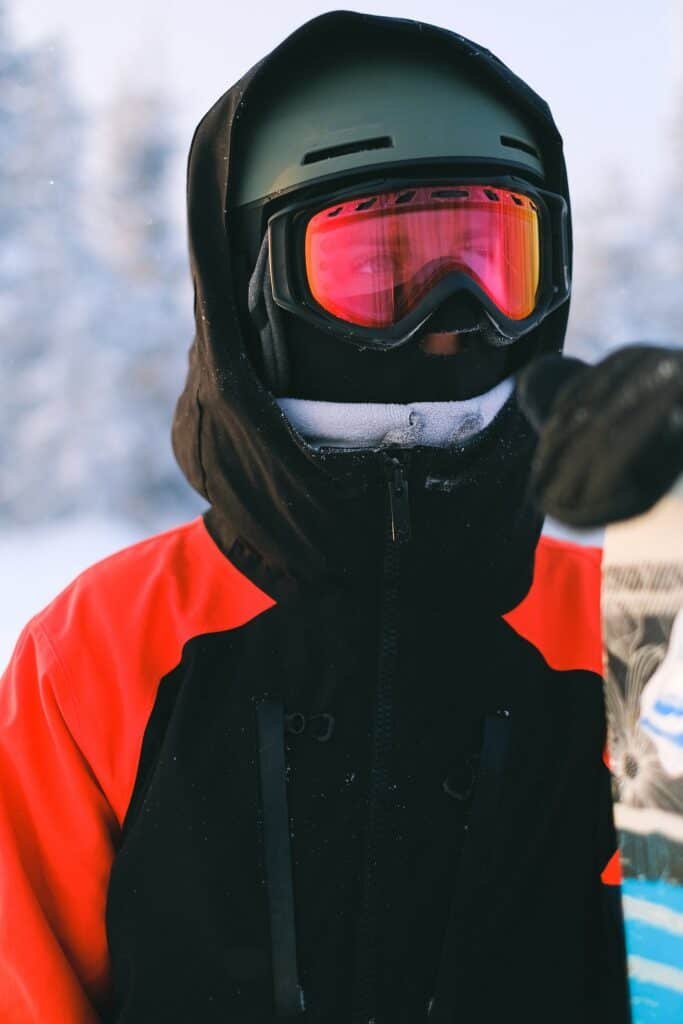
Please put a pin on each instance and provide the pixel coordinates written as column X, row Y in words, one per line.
column 561, row 613
column 121, row 626
column 561, row 617
column 74, row 704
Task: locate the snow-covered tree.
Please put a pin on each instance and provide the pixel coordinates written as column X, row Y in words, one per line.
column 628, row 281
column 43, row 261
column 95, row 316
column 136, row 149
column 146, row 314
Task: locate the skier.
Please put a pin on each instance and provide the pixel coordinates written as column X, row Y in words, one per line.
column 334, row 749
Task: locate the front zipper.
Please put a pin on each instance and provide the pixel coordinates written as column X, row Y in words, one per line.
column 399, row 505
column 397, row 533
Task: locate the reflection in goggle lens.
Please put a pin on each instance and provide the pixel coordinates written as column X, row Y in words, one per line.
column 370, row 260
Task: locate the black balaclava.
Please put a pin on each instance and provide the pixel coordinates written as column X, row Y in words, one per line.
column 328, row 370
column 311, row 363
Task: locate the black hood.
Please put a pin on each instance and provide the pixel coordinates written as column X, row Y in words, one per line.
column 286, row 514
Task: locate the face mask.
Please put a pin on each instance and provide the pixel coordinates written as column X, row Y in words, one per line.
column 298, row 359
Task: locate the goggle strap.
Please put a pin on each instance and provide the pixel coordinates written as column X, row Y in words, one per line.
column 267, row 319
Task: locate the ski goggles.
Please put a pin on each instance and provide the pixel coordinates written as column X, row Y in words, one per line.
column 372, row 266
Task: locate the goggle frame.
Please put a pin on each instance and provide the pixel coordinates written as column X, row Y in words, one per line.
column 286, row 232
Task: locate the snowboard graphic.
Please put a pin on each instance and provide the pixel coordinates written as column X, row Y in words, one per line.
column 642, row 611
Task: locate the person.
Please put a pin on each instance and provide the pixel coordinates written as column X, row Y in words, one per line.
column 334, row 749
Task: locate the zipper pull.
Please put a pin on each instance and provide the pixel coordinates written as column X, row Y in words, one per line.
column 399, row 505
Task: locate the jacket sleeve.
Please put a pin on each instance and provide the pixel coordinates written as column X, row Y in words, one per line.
column 57, row 837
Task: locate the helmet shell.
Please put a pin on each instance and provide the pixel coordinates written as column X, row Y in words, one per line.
column 365, row 110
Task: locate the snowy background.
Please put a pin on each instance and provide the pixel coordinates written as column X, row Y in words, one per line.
column 97, row 109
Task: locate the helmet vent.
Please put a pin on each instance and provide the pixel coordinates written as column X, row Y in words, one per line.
column 315, row 156
column 450, row 193
column 508, row 140
column 493, row 196
column 405, row 197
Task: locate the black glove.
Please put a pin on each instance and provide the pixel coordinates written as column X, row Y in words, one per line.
column 610, row 435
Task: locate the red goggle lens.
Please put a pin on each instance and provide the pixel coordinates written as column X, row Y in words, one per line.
column 371, row 260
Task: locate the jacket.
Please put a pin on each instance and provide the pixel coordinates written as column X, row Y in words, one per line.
column 332, row 750
column 134, row 883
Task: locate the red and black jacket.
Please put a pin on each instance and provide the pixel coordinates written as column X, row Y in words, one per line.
column 333, row 750
column 132, row 833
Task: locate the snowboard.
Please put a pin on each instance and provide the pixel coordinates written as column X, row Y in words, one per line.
column 642, row 614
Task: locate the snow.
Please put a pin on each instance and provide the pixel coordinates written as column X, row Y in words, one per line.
column 37, row 563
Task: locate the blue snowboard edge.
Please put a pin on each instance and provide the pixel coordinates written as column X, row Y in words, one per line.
column 654, row 939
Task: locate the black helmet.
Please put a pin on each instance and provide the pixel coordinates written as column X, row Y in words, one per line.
column 360, row 112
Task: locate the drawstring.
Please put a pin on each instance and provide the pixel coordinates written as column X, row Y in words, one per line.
column 288, row 994
column 267, row 318
column 273, row 723
column 485, row 790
